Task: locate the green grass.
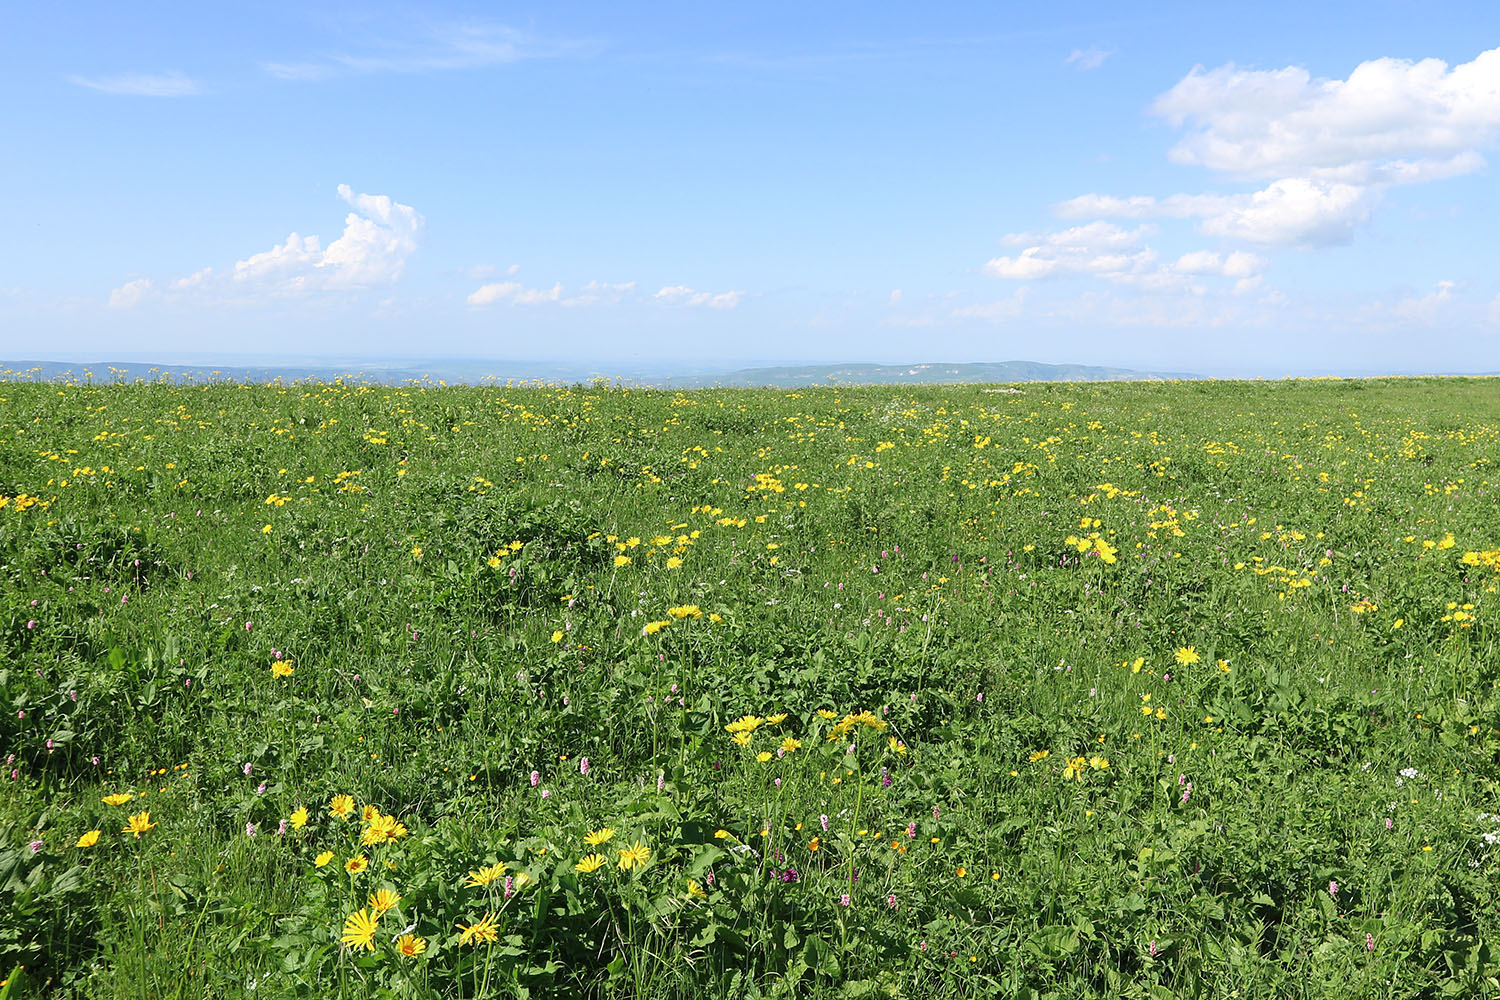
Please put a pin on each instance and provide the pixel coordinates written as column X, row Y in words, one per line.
column 1077, row 777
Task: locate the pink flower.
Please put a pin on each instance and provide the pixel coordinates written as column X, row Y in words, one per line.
column 249, row 829
column 1333, row 889
column 249, row 625
column 844, row 899
column 36, row 846
column 536, row 778
column 911, row 830
column 583, row 765
column 1369, row 941
column 891, row 901
column 248, row 768
column 824, row 820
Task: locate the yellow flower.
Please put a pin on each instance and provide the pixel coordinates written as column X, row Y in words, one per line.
column 117, row 799
column 481, row 931
column 600, row 836
column 369, row 813
column 962, row 872
column 1137, row 664
column 359, row 930
column 1187, row 656
column 622, row 560
column 651, row 628
column 686, row 611
column 138, row 824
column 776, row 719
column 281, row 668
column 743, row 739
column 814, row 844
column 266, row 530
column 299, row 818
column 897, row 747
column 356, row 864
column 591, row 863
column 323, row 859
column 824, row 713
column 557, row 636
column 695, row 891
column 410, row 945
column 485, row 876
column 1039, row 755
column 789, row 745
column 674, row 562
column 416, row 551
column 89, row 839
column 341, row 806
column 635, row 856
column 720, row 834
column 382, row 900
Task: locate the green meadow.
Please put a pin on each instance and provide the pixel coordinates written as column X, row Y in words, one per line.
column 1142, row 690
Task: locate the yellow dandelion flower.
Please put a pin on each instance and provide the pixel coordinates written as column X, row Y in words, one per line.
column 359, row 930
column 592, row 863
column 341, row 806
column 382, row 900
column 117, row 799
column 298, row 818
column 482, row 931
column 410, row 945
column 485, row 876
column 88, row 839
column 635, row 856
column 356, row 864
column 322, row 859
column 281, row 668
column 602, row 835
column 138, row 824
column 1187, row 656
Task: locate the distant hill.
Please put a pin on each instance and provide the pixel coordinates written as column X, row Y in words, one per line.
column 475, row 371
column 926, row 374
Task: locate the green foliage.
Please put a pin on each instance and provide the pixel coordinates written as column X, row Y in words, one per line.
column 1142, row 690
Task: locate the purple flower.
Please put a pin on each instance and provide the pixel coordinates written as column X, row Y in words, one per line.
column 510, row 887
column 36, row 846
column 1333, row 889
column 824, row 820
column 583, row 765
column 248, row 768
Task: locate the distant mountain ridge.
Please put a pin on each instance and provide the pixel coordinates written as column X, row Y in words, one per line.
column 923, row 374
column 474, row 371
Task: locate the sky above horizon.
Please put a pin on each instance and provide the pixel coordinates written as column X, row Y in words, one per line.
column 1223, row 189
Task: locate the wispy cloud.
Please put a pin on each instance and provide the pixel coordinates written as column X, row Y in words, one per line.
column 1090, row 58
column 468, row 45
column 681, row 295
column 170, row 84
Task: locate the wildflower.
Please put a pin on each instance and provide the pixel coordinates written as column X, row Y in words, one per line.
column 962, row 872
column 481, row 931
column 1187, row 656
column 88, row 839
column 322, row 859
column 603, row 835
column 891, row 901
column 356, row 864
column 622, row 560
column 720, row 834
column 557, row 636
column 1333, row 889
column 249, row 829
column 1039, row 755
column 635, row 856
column 789, row 745
column 299, row 818
column 117, row 799
column 591, row 863
column 651, row 628
column 763, row 756
column 844, row 899
column 583, row 766
column 1369, row 941
column 695, row 891
column 248, row 768
column 814, row 844
column 359, row 930
column 536, row 778
column 485, row 876
column 281, row 669
column 410, row 945
column 341, row 806
column 138, row 824
column 776, row 719
column 36, row 846
column 382, row 900
column 823, row 820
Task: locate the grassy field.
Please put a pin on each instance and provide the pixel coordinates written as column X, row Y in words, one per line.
column 1179, row 689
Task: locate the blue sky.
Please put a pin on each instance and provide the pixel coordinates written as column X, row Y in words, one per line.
column 1229, row 188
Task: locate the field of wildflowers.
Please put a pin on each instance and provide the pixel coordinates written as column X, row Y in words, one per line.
column 1132, row 690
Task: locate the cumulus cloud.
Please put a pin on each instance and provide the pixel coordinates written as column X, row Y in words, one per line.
column 595, row 293
column 379, row 235
column 1277, row 123
column 681, row 295
column 1425, row 309
column 1326, row 150
column 173, row 84
column 130, row 293
column 1104, row 250
column 514, row 293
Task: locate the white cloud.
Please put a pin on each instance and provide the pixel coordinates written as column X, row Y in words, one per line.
column 130, row 293
column 681, row 295
column 1279, row 123
column 1424, row 310
column 194, row 280
column 1090, row 58
column 1235, row 265
column 172, row 84
column 895, row 297
column 1099, row 248
column 379, row 235
column 1327, row 148
column 515, row 293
